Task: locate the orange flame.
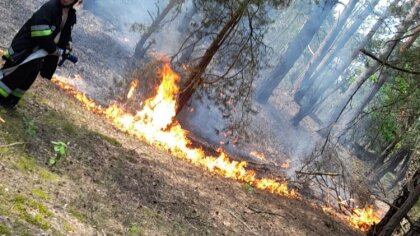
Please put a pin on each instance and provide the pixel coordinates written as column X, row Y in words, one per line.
column 257, row 155
column 359, row 218
column 133, row 87
column 286, row 164
column 156, row 125
column 363, row 218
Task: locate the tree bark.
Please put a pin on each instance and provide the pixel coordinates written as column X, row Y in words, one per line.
column 403, row 204
column 303, row 84
column 294, row 50
column 194, row 79
column 141, row 49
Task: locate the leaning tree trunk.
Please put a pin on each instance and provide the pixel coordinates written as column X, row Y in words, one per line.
column 314, row 98
column 195, row 78
column 313, row 101
column 391, row 147
column 294, row 50
column 302, row 85
column 347, row 97
column 401, row 173
column 390, row 165
column 401, row 206
column 184, row 29
column 141, row 47
column 383, row 78
column 385, row 153
column 326, row 44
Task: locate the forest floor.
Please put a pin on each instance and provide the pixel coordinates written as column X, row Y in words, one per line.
column 109, row 183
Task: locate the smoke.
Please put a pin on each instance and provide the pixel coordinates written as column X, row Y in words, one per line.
column 270, row 130
column 123, row 15
column 272, row 125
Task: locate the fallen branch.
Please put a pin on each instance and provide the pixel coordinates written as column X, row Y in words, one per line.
column 12, row 144
column 387, row 64
column 317, row 173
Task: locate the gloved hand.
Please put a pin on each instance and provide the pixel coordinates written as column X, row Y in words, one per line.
column 70, row 46
column 59, row 52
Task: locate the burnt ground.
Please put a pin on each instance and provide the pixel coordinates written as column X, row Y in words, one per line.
column 109, row 183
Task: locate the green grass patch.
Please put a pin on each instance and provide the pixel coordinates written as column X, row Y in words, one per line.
column 47, row 175
column 68, row 228
column 29, row 126
column 40, row 193
column 248, row 188
column 31, row 211
column 110, row 140
column 57, row 120
column 135, row 230
column 25, row 164
column 4, row 230
column 78, row 215
column 69, row 128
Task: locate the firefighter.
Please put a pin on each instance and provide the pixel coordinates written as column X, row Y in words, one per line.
column 49, row 29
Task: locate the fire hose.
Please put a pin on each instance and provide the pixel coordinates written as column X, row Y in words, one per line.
column 36, row 55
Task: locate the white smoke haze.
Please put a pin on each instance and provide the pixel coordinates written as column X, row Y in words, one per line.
column 270, row 130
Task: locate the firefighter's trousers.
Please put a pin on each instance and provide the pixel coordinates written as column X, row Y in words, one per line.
column 14, row 85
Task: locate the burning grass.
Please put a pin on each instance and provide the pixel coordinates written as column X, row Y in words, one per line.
column 156, row 124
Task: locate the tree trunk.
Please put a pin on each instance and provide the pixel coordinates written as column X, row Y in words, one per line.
column 402, row 205
column 294, row 50
column 184, row 29
column 387, row 50
column 313, row 101
column 141, row 49
column 383, row 78
column 326, row 44
column 402, row 172
column 411, row 40
column 303, row 84
column 390, row 165
column 194, row 79
column 384, row 154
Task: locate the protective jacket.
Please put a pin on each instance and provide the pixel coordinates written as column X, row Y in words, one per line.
column 39, row 32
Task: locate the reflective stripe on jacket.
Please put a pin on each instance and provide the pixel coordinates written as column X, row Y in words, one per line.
column 39, row 32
